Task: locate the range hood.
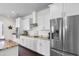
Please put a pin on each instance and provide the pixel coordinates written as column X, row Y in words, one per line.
column 34, row 17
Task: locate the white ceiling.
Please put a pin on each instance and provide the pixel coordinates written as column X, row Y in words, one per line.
column 22, row 9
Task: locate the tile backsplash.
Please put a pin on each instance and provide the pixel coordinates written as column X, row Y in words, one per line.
column 38, row 33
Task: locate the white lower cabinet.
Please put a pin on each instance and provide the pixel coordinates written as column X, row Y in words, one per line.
column 28, row 43
column 40, row 46
column 44, row 47
column 35, row 42
column 31, row 44
column 21, row 40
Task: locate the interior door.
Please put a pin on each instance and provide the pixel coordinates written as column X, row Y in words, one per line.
column 58, row 34
column 71, row 35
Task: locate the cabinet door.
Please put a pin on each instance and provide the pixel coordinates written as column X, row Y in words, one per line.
column 18, row 22
column 45, row 47
column 56, row 10
column 40, row 22
column 26, row 24
column 47, row 22
column 44, row 20
column 31, row 43
column 21, row 41
column 38, row 46
column 71, row 9
column 26, row 43
column 35, row 42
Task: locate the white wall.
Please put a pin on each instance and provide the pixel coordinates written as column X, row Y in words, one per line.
column 7, row 22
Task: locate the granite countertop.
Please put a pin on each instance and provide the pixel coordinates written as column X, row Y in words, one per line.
column 9, row 44
column 37, row 37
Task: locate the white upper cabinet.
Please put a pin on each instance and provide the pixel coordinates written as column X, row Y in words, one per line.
column 63, row 9
column 46, row 21
column 18, row 22
column 71, row 9
column 26, row 24
column 43, row 18
column 56, row 10
column 34, row 16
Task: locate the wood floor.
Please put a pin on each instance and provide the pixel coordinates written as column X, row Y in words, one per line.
column 26, row 52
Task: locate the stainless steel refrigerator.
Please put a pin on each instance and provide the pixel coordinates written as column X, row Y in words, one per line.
column 66, row 36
